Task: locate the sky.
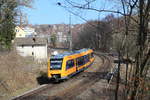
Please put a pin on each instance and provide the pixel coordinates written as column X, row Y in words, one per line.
column 48, row 12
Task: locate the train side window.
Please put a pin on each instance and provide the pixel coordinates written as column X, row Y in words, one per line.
column 92, row 55
column 80, row 61
column 83, row 60
column 69, row 64
column 86, row 58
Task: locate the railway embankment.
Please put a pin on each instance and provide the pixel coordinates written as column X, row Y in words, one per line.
column 17, row 74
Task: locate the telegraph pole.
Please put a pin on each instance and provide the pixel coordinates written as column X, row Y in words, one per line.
column 70, row 32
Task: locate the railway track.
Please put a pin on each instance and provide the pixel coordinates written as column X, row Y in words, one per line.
column 68, row 90
column 89, row 79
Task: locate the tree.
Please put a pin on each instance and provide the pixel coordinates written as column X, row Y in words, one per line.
column 96, row 35
column 22, row 17
column 8, row 13
column 135, row 14
column 7, row 22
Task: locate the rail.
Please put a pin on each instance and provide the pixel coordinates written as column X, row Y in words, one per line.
column 68, row 92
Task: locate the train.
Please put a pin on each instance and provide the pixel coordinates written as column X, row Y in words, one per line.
column 65, row 65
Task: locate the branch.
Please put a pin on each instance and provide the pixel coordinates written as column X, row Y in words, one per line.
column 101, row 10
column 25, row 3
column 147, row 8
column 77, row 15
column 87, row 4
column 144, row 62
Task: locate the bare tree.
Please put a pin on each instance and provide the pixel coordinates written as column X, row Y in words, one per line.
column 98, row 37
column 135, row 14
column 22, row 16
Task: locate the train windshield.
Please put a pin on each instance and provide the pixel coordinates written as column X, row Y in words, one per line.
column 55, row 63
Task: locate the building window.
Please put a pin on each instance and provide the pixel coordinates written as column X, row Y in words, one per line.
column 32, row 53
column 17, row 30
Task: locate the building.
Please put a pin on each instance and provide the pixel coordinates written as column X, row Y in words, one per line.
column 61, row 37
column 30, row 32
column 25, row 32
column 35, row 47
column 19, row 32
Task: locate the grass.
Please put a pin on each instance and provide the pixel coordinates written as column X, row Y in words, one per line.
column 18, row 74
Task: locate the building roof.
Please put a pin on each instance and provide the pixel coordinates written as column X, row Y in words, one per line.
column 30, row 41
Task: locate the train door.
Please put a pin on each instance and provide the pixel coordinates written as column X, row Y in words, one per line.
column 80, row 62
column 75, row 60
column 70, row 67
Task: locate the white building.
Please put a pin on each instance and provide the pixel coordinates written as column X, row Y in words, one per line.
column 61, row 37
column 35, row 47
column 25, row 32
column 30, row 32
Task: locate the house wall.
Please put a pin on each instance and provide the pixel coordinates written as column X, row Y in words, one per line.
column 24, row 32
column 37, row 52
column 19, row 32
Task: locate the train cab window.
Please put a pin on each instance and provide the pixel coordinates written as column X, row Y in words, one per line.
column 55, row 64
column 70, row 64
column 80, row 61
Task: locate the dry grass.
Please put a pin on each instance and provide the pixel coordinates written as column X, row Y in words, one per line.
column 17, row 74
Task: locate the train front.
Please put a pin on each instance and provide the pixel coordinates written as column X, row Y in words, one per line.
column 55, row 69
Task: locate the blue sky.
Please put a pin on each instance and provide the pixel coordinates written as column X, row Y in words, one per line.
column 47, row 12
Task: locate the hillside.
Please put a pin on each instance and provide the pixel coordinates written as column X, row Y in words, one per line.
column 17, row 74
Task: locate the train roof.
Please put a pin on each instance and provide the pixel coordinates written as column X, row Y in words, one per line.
column 62, row 55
